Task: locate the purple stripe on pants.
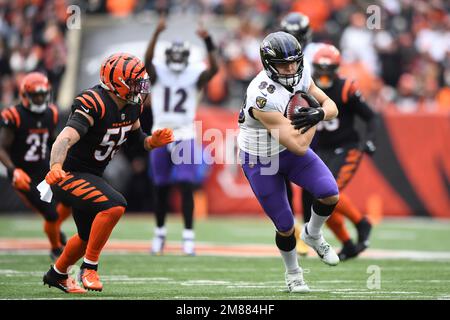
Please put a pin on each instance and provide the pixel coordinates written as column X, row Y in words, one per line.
column 307, row 171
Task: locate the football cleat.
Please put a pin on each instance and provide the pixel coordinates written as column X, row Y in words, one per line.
column 55, row 253
column 363, row 228
column 302, row 248
column 158, row 245
column 349, row 250
column 188, row 242
column 295, row 282
column 323, row 248
column 159, row 241
column 90, row 280
column 68, row 285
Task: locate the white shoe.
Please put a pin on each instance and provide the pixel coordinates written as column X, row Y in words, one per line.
column 323, row 248
column 159, row 241
column 295, row 283
column 188, row 242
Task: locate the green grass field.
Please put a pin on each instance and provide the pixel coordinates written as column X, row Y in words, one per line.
column 412, row 257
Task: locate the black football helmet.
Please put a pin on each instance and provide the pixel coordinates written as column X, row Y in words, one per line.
column 281, row 47
column 297, row 24
column 177, row 55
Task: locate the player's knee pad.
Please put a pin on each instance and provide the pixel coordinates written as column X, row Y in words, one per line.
column 323, row 209
column 285, row 243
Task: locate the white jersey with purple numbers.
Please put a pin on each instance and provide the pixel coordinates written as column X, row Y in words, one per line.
column 175, row 98
column 265, row 95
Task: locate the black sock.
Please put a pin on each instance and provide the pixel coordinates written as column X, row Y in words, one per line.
column 161, row 204
column 56, row 275
column 86, row 265
column 285, row 243
column 322, row 209
column 187, row 197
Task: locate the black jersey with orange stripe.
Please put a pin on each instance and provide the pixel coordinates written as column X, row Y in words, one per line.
column 33, row 135
column 341, row 130
column 98, row 146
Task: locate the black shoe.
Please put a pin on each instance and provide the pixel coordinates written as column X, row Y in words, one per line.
column 62, row 238
column 55, row 253
column 349, row 250
column 63, row 283
column 363, row 228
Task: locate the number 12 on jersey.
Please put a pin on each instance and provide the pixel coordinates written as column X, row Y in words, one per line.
column 181, row 94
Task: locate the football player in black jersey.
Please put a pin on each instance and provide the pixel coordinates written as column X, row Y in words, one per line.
column 338, row 144
column 25, row 135
column 102, row 119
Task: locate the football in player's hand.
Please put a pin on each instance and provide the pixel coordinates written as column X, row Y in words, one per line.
column 297, row 102
column 304, row 111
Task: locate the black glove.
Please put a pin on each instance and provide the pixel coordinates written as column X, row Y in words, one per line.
column 312, row 102
column 369, row 147
column 306, row 118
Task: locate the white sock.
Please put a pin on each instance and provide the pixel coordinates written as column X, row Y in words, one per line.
column 290, row 260
column 188, row 234
column 160, row 232
column 57, row 271
column 315, row 224
column 90, row 262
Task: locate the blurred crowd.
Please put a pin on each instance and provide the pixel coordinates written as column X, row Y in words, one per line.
column 31, row 38
column 399, row 50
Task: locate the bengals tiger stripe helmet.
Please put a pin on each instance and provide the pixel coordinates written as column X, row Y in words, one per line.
column 35, row 92
column 124, row 75
column 326, row 62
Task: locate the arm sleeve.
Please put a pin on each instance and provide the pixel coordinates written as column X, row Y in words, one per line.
column 137, row 137
column 79, row 122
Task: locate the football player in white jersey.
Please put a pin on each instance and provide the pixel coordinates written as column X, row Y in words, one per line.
column 176, row 86
column 298, row 25
column 271, row 150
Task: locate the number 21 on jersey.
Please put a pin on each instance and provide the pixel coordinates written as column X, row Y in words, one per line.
column 38, row 146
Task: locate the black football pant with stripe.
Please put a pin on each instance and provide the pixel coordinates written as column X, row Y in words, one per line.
column 87, row 194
